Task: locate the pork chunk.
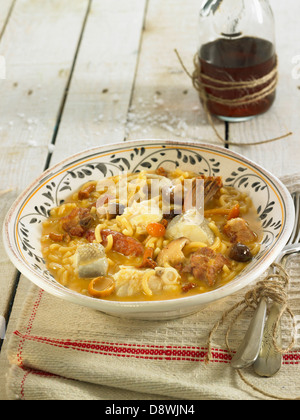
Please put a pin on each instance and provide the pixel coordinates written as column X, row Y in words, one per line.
column 206, row 265
column 238, row 230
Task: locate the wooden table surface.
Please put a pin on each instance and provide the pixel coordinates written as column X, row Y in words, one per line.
column 82, row 73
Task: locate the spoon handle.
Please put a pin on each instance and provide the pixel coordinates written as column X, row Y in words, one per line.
column 249, row 349
column 269, row 360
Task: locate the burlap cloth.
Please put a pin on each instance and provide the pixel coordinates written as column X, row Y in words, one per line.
column 62, row 351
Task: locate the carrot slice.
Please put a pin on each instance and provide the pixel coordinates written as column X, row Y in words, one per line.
column 156, row 229
column 234, row 212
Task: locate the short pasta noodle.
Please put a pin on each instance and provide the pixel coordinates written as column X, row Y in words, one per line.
column 152, row 246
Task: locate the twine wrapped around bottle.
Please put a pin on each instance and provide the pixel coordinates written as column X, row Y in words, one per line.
column 271, row 80
column 201, row 82
column 274, row 289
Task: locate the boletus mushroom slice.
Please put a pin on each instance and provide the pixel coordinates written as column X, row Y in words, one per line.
column 172, row 254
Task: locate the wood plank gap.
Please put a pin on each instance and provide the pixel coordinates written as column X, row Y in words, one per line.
column 145, row 14
column 137, row 63
column 7, row 18
column 66, row 92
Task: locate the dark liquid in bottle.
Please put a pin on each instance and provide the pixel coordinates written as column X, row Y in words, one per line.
column 240, row 59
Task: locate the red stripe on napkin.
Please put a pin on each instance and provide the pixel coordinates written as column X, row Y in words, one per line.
column 139, row 351
column 143, row 351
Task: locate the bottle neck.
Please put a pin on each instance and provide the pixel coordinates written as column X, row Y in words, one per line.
column 210, row 6
column 231, row 19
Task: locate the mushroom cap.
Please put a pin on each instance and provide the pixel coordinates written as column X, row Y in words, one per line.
column 172, row 254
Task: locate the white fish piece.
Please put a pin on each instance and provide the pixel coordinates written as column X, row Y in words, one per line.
column 143, row 213
column 191, row 225
column 91, row 261
column 146, row 186
column 130, row 281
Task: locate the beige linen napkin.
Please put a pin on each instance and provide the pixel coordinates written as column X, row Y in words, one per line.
column 67, row 352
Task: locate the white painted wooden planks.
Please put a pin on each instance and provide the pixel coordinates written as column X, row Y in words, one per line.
column 97, row 105
column 5, row 9
column 165, row 104
column 38, row 44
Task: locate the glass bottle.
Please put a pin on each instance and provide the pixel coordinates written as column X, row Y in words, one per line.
column 237, row 44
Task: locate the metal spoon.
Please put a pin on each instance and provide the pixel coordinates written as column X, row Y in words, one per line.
column 250, row 347
column 269, row 360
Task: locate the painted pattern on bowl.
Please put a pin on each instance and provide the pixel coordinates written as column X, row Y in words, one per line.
column 23, row 225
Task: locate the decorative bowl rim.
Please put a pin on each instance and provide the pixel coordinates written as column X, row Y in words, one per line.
column 159, row 305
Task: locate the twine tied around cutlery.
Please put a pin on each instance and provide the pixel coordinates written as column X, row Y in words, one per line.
column 272, row 288
column 201, row 82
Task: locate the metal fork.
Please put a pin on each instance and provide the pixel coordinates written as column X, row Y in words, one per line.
column 257, row 347
column 269, row 361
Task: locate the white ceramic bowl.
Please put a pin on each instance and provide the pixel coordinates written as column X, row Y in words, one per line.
column 22, row 227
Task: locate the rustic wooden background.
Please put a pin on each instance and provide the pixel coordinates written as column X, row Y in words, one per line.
column 82, row 73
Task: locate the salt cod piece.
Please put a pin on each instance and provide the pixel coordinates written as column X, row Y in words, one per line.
column 130, row 281
column 91, row 261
